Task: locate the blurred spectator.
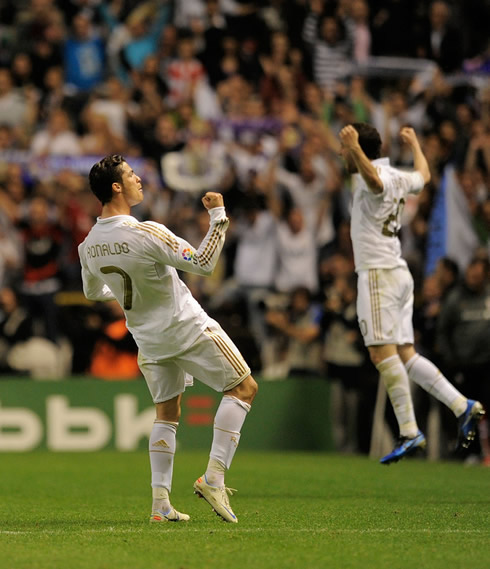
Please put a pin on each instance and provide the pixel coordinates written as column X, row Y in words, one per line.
column 11, row 259
column 185, row 72
column 111, row 100
column 98, row 138
column 147, row 102
column 357, row 20
column 478, row 155
column 161, row 139
column 57, row 137
column 347, row 364
column 187, row 13
column 438, row 99
column 426, row 316
column 447, row 275
column 16, row 110
column 16, row 327
column 6, row 138
column 248, row 156
column 249, row 64
column 34, row 16
column 331, row 47
column 13, row 192
column 299, row 325
column 465, row 315
column 439, row 39
column 42, row 241
column 200, row 165
column 22, row 351
column 55, row 94
column 242, row 19
column 145, row 24
column 22, row 70
column 297, row 254
column 483, row 223
column 84, row 54
column 309, row 193
column 214, row 29
column 47, row 48
column 392, row 28
column 395, row 112
column 77, row 208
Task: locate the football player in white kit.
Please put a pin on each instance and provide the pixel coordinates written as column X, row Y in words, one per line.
column 136, row 263
column 385, row 285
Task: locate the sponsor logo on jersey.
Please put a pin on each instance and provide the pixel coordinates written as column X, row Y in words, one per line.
column 187, row 254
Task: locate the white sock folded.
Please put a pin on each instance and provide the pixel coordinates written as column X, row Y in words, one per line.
column 394, row 375
column 424, row 373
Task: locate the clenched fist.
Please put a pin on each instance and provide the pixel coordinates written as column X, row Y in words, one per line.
column 212, row 199
column 349, row 137
column 407, row 134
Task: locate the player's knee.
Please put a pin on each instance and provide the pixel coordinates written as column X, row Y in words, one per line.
column 246, row 390
column 169, row 410
column 379, row 353
column 252, row 387
column 376, row 359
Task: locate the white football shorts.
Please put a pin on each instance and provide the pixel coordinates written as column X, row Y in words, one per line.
column 212, row 359
column 385, row 306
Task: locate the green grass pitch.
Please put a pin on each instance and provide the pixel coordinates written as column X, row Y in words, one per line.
column 90, row 511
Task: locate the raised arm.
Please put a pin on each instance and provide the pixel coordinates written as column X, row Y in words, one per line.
column 352, row 151
column 420, row 164
column 163, row 246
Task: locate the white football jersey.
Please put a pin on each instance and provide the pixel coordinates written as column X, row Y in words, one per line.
column 376, row 218
column 136, row 263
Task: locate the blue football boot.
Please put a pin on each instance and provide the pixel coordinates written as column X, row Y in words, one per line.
column 404, row 447
column 467, row 423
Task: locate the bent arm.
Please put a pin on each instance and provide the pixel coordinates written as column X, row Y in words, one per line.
column 94, row 288
column 349, row 138
column 367, row 171
column 208, row 252
column 420, row 163
column 165, row 247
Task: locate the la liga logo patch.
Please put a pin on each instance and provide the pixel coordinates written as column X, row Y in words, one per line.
column 187, row 254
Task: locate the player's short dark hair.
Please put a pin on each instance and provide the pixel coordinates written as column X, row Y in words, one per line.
column 369, row 140
column 103, row 174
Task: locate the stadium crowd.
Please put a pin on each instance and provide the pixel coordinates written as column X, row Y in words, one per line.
column 245, row 97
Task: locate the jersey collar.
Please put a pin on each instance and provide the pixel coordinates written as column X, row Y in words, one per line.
column 113, row 218
column 385, row 161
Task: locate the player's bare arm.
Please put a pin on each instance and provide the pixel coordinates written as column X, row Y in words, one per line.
column 407, row 134
column 349, row 138
column 212, row 199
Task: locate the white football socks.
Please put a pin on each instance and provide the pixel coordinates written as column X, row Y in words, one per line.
column 424, row 373
column 228, row 422
column 394, row 376
column 162, row 451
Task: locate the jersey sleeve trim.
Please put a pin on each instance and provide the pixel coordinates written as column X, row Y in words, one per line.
column 210, row 248
column 157, row 232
